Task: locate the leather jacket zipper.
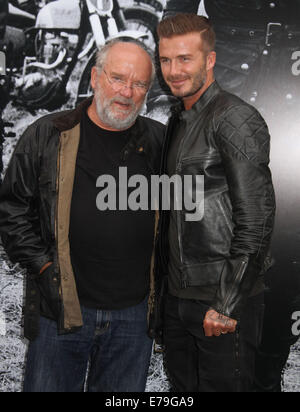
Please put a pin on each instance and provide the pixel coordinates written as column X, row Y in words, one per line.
column 194, row 158
column 178, row 219
column 224, row 211
column 57, row 197
column 238, row 278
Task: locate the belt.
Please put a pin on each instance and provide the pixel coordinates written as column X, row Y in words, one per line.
column 271, row 34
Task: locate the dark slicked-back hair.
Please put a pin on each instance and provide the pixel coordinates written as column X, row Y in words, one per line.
column 185, row 23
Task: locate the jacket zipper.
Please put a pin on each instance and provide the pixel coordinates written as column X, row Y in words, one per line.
column 238, row 278
column 162, row 170
column 57, row 197
column 223, row 209
column 178, row 217
column 194, row 158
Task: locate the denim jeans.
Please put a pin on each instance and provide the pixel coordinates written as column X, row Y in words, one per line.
column 111, row 353
column 196, row 363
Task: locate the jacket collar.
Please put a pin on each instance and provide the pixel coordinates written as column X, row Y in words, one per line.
column 213, row 90
column 139, row 139
column 69, row 119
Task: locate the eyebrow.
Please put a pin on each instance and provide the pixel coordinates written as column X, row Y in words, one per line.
column 177, row 57
column 142, row 82
column 116, row 74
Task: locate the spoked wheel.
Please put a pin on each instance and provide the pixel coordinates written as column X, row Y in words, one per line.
column 143, row 21
column 137, row 19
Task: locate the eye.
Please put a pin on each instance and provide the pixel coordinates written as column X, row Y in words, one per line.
column 117, row 79
column 141, row 86
column 185, row 59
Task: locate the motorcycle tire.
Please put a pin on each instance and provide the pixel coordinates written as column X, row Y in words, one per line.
column 136, row 18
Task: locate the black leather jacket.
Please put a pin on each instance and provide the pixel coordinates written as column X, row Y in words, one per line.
column 227, row 141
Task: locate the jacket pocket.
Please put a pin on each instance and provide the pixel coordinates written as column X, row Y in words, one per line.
column 204, row 274
column 49, row 285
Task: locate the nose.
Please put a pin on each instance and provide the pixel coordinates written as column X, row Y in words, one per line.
column 126, row 91
column 174, row 68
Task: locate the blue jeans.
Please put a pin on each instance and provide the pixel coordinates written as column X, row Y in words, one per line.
column 111, row 353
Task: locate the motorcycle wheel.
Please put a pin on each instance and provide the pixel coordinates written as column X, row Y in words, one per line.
column 142, row 20
column 136, row 18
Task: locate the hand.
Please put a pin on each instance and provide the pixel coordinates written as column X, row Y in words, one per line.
column 216, row 324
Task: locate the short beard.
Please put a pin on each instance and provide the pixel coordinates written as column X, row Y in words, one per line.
column 197, row 85
column 109, row 118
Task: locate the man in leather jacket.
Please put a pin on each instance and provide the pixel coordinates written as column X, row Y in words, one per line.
column 215, row 267
column 90, row 279
column 258, row 60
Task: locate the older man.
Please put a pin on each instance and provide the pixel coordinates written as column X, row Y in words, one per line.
column 88, row 269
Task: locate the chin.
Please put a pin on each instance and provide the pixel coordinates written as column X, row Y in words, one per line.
column 181, row 94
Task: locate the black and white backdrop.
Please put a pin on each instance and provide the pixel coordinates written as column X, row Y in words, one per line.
column 258, row 58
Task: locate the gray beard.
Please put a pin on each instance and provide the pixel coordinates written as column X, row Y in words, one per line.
column 111, row 119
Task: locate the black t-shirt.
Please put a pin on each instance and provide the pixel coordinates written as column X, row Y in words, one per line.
column 110, row 250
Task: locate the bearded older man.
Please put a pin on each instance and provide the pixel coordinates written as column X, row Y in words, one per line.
column 89, row 271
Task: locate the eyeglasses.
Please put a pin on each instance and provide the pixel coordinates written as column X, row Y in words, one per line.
column 118, row 84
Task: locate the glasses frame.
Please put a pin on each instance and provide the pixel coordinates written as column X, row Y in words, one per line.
column 120, row 84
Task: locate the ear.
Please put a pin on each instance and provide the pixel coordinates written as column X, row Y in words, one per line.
column 211, row 60
column 94, row 77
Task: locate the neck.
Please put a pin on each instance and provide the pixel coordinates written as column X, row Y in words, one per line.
column 191, row 100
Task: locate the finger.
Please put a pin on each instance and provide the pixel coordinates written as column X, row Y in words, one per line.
column 231, row 326
column 208, row 329
column 208, row 332
column 217, row 329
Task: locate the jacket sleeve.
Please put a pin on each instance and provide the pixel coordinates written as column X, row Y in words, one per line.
column 244, row 143
column 19, row 217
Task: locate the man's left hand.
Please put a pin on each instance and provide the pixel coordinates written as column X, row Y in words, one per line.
column 216, row 324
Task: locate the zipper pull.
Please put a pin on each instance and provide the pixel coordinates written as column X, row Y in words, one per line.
column 183, row 284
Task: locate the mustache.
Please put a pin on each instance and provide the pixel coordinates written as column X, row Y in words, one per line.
column 123, row 100
column 177, row 78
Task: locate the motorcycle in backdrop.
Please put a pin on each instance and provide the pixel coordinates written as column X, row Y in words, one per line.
column 49, row 38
